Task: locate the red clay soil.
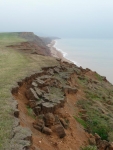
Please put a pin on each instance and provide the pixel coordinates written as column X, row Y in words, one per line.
column 75, row 137
column 32, row 47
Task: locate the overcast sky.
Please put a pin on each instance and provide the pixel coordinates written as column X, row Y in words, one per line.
column 62, row 18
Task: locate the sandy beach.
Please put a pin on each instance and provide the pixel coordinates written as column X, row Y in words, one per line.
column 56, row 53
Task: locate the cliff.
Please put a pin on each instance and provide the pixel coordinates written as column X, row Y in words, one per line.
column 55, row 104
column 33, row 44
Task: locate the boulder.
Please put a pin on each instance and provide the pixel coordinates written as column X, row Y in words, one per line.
column 32, row 103
column 39, row 103
column 34, row 84
column 48, row 107
column 47, row 130
column 63, row 122
column 46, row 89
column 31, row 94
column 16, row 113
column 59, row 130
column 37, row 127
column 92, row 140
column 38, row 91
column 103, row 145
column 62, row 101
column 39, row 124
column 40, row 82
column 49, row 119
column 69, row 90
column 111, row 146
column 37, row 110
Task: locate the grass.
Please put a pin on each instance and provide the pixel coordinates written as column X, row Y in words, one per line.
column 81, row 121
column 92, row 95
column 89, row 147
column 96, row 121
column 98, row 106
column 99, row 78
column 14, row 66
column 30, row 112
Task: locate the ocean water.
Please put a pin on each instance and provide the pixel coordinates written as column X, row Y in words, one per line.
column 96, row 54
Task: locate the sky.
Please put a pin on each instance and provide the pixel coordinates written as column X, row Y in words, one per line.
column 61, row 18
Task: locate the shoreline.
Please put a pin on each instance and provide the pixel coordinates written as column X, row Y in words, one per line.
column 57, row 53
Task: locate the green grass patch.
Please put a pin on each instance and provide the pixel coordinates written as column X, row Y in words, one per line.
column 96, row 122
column 81, row 121
column 92, row 95
column 89, row 147
column 30, row 112
column 99, row 78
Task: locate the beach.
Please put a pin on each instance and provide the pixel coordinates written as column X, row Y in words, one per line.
column 56, row 52
column 95, row 54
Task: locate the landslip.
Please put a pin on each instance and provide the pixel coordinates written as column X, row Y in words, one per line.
column 59, row 106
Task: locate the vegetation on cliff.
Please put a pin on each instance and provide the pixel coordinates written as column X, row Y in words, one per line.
column 23, row 54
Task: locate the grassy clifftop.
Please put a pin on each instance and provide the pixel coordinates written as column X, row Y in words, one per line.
column 14, row 65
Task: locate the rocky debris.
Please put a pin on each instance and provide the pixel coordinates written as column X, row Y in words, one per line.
column 46, row 89
column 63, row 122
column 21, row 139
column 39, row 124
column 46, row 95
column 50, row 71
column 34, row 84
column 56, row 70
column 42, row 101
column 16, row 113
column 49, row 119
column 40, row 82
column 45, row 77
column 37, row 110
column 69, row 90
column 38, row 91
column 104, row 79
column 31, row 94
column 47, row 131
column 47, row 68
column 77, row 71
column 48, row 107
column 81, row 77
column 92, row 140
column 103, row 144
column 58, row 128
column 32, row 103
column 49, row 123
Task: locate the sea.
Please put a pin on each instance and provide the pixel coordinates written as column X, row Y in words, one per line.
column 95, row 54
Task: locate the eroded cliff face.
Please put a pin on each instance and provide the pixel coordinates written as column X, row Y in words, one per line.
column 50, row 97
column 52, row 104
column 34, row 44
column 61, row 107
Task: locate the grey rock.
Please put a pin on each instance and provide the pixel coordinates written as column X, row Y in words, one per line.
column 31, row 94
